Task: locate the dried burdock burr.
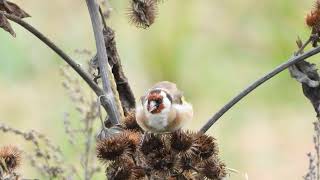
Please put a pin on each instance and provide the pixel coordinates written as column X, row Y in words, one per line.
column 186, row 163
column 130, row 122
column 212, row 169
column 118, row 147
column 151, row 144
column 163, row 161
column 181, row 141
column 204, row 146
column 125, row 170
column 142, row 13
column 313, row 18
column 177, row 155
column 10, row 158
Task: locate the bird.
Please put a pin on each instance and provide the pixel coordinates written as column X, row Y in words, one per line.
column 163, row 109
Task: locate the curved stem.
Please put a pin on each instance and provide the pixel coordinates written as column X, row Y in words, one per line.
column 85, row 76
column 256, row 84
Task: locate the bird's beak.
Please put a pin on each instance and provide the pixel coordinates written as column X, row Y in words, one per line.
column 152, row 107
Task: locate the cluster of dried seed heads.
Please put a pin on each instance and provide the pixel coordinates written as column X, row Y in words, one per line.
column 180, row 155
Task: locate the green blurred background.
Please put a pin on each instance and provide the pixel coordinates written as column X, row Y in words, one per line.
column 211, row 49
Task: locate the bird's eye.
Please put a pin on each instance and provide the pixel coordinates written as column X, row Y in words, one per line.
column 159, row 101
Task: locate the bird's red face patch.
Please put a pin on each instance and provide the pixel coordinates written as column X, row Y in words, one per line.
column 155, row 102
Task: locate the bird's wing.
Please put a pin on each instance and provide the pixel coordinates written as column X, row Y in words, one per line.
column 179, row 116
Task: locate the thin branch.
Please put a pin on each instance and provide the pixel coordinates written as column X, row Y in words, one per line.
column 113, row 111
column 256, row 84
column 300, row 51
column 102, row 18
column 84, row 75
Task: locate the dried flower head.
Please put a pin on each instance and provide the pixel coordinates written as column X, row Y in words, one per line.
column 317, row 4
column 11, row 156
column 118, row 147
column 125, row 170
column 204, row 146
column 212, row 169
column 162, row 161
column 178, row 155
column 313, row 18
column 131, row 123
column 133, row 138
column 181, row 141
column 186, row 163
column 151, row 144
column 142, row 13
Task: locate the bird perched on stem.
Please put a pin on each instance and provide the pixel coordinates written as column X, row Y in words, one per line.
column 163, row 109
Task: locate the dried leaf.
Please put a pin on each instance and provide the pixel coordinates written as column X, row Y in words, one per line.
column 4, row 24
column 306, row 73
column 12, row 8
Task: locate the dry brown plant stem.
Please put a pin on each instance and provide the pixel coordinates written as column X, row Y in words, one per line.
column 104, row 67
column 124, row 91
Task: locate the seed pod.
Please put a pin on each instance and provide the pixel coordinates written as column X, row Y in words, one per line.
column 142, row 13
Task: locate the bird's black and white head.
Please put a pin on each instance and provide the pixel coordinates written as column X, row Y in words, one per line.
column 157, row 101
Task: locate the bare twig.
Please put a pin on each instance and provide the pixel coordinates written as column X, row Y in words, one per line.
column 256, row 84
column 109, row 99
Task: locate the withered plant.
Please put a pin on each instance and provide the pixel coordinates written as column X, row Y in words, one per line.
column 124, row 150
column 10, row 159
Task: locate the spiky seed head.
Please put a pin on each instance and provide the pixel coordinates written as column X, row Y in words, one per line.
column 313, row 18
column 151, row 144
column 130, row 122
column 118, row 146
column 212, row 169
column 186, row 163
column 181, row 141
column 133, row 138
column 11, row 156
column 317, row 5
column 118, row 172
column 204, row 146
column 125, row 170
column 142, row 13
column 164, row 161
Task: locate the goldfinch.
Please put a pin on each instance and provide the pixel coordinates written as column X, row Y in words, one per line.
column 163, row 109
